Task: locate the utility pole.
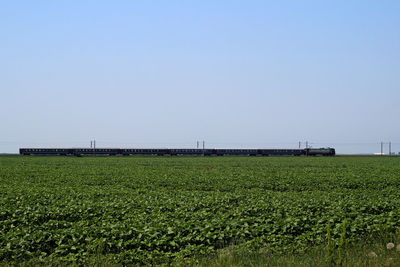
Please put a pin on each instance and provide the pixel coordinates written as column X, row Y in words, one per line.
column 390, row 148
column 197, row 144
column 299, row 144
column 94, row 147
column 307, row 148
column 204, row 144
column 91, row 143
column 381, row 148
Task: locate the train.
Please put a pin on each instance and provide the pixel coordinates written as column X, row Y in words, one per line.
column 177, row 152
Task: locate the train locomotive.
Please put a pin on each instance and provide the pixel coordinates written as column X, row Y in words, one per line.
column 176, row 152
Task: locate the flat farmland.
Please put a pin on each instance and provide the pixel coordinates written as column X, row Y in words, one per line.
column 155, row 210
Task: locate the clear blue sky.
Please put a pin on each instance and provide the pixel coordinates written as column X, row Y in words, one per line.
column 168, row 73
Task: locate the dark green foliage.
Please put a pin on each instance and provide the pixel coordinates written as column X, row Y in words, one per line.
column 160, row 209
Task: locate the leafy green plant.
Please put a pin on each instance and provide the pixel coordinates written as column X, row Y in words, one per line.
column 155, row 210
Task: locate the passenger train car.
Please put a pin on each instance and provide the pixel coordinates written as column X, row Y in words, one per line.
column 177, row 152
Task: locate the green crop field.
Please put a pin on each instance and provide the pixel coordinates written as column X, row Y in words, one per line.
column 154, row 210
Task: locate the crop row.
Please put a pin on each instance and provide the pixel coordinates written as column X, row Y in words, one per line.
column 152, row 210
